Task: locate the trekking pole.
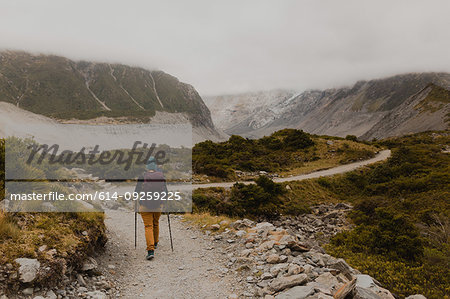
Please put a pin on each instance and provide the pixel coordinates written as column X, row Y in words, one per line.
column 135, row 226
column 170, row 231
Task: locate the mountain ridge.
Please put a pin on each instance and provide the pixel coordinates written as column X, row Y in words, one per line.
column 64, row 89
column 336, row 111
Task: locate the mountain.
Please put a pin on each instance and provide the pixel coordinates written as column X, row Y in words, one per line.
column 234, row 109
column 361, row 110
column 64, row 89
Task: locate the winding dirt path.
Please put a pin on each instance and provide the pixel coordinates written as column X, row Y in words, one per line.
column 195, row 269
column 381, row 156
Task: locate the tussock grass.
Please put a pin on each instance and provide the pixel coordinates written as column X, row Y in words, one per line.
column 8, row 230
column 204, row 220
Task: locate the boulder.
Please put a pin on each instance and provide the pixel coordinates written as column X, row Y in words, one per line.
column 51, row 295
column 266, row 275
column 295, row 269
column 28, row 269
column 266, row 245
column 264, row 227
column 28, row 291
column 279, row 268
column 327, row 283
column 362, row 293
column 366, row 284
column 273, row 259
column 297, row 246
column 343, row 267
column 298, row 292
column 345, row 289
column 279, row 284
column 89, row 264
column 241, row 233
column 214, row 226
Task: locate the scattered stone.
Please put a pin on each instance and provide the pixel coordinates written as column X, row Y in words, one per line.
column 215, row 227
column 279, row 268
column 42, row 248
column 28, row 291
column 295, row 269
column 345, row 289
column 89, row 264
column 279, row 284
column 273, row 259
column 96, row 295
column 417, row 296
column 298, row 292
column 343, row 267
column 266, row 245
column 51, row 295
column 240, row 233
column 224, row 223
column 266, row 275
column 362, row 293
column 28, row 269
column 250, row 279
column 81, row 280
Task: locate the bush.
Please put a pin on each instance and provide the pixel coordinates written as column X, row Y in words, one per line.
column 351, row 138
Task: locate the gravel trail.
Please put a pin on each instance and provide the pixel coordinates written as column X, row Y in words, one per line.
column 196, row 268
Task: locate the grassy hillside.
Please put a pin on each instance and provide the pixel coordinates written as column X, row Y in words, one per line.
column 72, row 235
column 435, row 100
column 401, row 212
column 286, row 152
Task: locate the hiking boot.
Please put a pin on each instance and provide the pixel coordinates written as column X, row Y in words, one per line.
column 156, row 245
column 150, row 255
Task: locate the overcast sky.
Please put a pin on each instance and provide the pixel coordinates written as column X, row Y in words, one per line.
column 234, row 46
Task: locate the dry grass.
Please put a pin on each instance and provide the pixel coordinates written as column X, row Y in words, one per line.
column 23, row 233
column 205, row 220
column 8, row 230
column 338, row 153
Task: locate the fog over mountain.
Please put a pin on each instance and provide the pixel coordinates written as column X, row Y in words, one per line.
column 378, row 108
column 240, row 46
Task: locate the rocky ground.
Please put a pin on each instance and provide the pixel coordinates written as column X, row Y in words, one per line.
column 241, row 259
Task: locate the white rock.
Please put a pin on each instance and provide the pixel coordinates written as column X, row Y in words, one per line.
column 51, row 295
column 266, row 275
column 89, row 264
column 28, row 268
column 273, row 259
column 241, row 233
column 28, row 291
column 417, row 296
column 96, row 295
column 278, row 268
column 279, row 284
column 298, row 292
column 295, row 269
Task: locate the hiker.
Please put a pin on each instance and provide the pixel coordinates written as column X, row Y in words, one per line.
column 152, row 181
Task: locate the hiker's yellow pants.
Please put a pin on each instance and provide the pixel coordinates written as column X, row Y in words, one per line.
column 151, row 223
